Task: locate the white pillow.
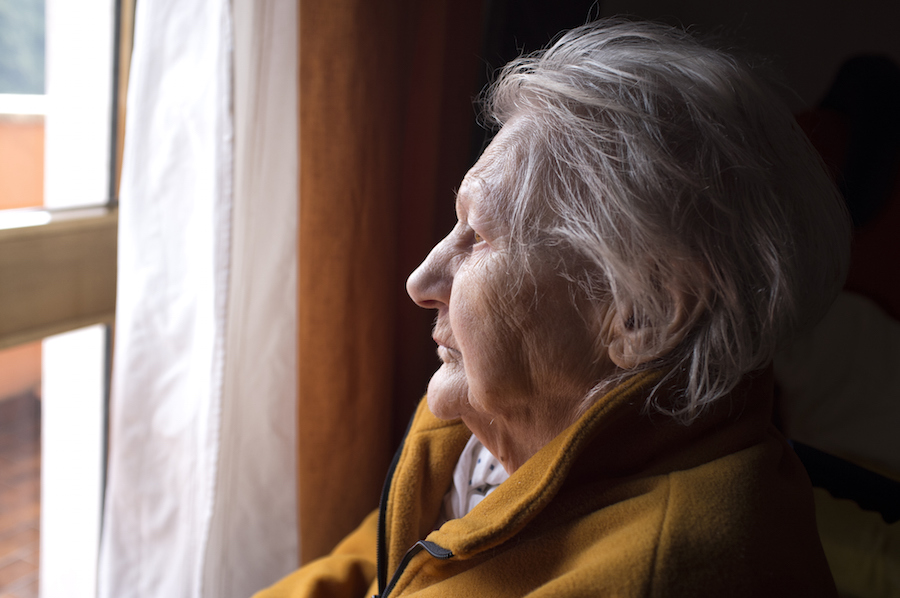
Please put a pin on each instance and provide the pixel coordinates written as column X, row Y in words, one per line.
column 840, row 385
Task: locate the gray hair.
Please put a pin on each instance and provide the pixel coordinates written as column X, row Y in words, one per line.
column 664, row 163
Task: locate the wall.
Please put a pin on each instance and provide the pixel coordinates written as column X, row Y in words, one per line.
column 21, row 161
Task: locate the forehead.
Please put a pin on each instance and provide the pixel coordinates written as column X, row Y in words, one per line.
column 500, row 154
column 485, row 183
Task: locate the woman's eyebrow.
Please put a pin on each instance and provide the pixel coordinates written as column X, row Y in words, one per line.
column 463, row 194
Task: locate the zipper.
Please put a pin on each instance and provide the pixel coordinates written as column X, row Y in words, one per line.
column 381, row 554
column 435, row 550
column 438, row 552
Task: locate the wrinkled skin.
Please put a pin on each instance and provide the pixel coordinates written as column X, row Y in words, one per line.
column 519, row 350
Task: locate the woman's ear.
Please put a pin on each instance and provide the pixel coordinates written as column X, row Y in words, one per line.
column 634, row 340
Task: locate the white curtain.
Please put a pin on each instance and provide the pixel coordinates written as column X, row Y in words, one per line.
column 201, row 494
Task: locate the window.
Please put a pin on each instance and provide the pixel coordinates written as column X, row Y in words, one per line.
column 60, row 104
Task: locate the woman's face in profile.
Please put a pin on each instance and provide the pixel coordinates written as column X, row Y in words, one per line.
column 513, row 344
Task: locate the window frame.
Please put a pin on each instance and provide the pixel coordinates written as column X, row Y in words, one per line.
column 58, row 276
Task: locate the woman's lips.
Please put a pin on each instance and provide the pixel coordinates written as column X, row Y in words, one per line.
column 443, row 346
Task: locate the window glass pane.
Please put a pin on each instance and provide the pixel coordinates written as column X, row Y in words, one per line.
column 20, row 474
column 22, row 104
column 56, row 75
column 52, row 425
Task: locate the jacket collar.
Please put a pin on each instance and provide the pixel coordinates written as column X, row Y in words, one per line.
column 614, row 441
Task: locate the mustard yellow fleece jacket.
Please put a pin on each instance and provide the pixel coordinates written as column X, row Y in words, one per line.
column 620, row 504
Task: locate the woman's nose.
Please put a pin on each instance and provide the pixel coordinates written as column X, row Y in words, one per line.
column 429, row 285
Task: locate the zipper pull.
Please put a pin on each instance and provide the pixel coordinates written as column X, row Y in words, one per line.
column 435, row 550
column 438, row 552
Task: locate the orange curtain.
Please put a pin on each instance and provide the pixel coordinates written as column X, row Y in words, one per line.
column 385, row 123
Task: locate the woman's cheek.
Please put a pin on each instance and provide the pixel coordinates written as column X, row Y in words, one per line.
column 489, row 329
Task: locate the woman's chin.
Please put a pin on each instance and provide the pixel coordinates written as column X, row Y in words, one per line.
column 447, row 392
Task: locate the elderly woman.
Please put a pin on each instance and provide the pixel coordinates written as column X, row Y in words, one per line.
column 647, row 226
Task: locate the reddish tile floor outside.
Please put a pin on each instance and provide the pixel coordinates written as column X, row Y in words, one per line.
column 20, row 492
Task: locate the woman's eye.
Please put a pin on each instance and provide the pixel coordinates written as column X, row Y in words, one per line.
column 478, row 238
